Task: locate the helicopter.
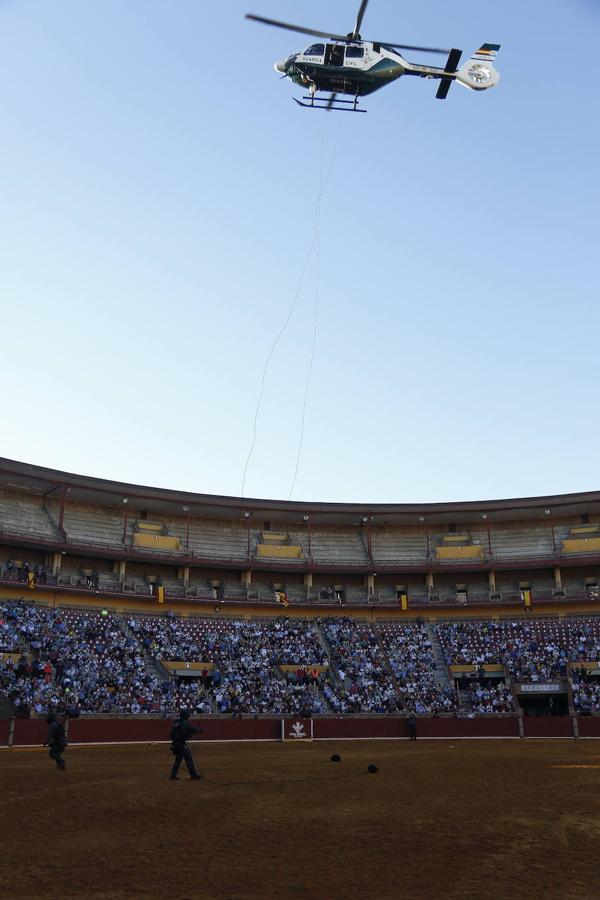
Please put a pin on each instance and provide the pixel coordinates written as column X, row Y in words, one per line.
column 347, row 64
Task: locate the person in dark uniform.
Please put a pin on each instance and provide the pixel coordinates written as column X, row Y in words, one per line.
column 181, row 732
column 56, row 740
column 412, row 726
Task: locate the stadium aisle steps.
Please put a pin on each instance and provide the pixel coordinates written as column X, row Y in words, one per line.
column 442, row 675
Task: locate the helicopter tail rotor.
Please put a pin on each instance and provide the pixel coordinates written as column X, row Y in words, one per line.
column 479, row 74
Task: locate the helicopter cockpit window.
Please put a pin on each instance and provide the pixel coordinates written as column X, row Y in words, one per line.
column 315, row 50
column 355, row 52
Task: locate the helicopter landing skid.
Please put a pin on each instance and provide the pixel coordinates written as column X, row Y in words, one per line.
column 325, row 103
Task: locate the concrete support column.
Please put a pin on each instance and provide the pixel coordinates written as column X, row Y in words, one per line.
column 557, row 578
column 185, row 574
column 370, row 584
column 56, row 563
column 122, row 569
column 247, row 578
column 492, row 581
column 308, row 579
column 429, row 580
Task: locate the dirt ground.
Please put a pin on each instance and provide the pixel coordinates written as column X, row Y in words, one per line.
column 469, row 819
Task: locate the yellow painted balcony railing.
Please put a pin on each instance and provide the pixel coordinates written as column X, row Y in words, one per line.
column 287, row 551
column 581, row 545
column 470, row 551
column 156, row 541
column 172, row 664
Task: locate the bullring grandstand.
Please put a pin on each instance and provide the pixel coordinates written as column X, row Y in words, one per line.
column 130, row 601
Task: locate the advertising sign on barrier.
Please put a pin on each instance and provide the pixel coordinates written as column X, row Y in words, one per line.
column 296, row 730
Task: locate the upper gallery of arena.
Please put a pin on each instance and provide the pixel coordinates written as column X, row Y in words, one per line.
column 75, row 533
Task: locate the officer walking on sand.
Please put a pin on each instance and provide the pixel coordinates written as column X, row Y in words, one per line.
column 56, row 740
column 181, row 732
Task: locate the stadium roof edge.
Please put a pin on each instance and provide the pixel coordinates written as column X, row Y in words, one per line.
column 39, row 480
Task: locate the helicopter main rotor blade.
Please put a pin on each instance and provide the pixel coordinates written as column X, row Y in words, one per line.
column 359, row 18
column 346, row 38
column 411, row 47
column 298, row 28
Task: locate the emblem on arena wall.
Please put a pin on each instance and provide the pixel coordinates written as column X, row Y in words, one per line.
column 297, row 730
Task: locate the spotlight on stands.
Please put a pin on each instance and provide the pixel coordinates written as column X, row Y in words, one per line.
column 372, row 769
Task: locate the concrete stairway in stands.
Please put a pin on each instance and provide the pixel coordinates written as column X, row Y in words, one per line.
column 153, row 666
column 442, row 675
column 332, row 674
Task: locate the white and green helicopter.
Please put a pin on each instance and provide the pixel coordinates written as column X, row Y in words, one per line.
column 347, row 64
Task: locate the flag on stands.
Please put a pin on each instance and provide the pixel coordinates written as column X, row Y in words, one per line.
column 281, row 597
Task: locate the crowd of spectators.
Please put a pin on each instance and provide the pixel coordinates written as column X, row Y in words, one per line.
column 531, row 650
column 410, row 652
column 24, row 572
column 586, row 691
column 487, row 699
column 99, row 662
column 363, row 681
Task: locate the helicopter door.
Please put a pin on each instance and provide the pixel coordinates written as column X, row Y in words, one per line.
column 334, row 55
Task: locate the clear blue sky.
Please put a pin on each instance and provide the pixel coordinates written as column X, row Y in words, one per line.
column 157, row 196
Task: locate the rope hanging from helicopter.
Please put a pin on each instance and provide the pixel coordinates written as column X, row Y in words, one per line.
column 314, row 246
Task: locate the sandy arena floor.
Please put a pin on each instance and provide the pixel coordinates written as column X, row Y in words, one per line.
column 469, row 819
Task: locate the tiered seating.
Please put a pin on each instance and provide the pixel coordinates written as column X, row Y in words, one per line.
column 399, row 545
column 25, row 515
column 338, row 547
column 92, row 525
column 101, row 662
column 214, row 540
column 173, row 587
column 95, row 666
column 520, row 543
column 411, row 656
column 487, row 699
column 364, row 683
column 531, row 650
column 355, row 595
column 20, row 622
column 243, row 659
column 235, row 590
column 586, row 694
